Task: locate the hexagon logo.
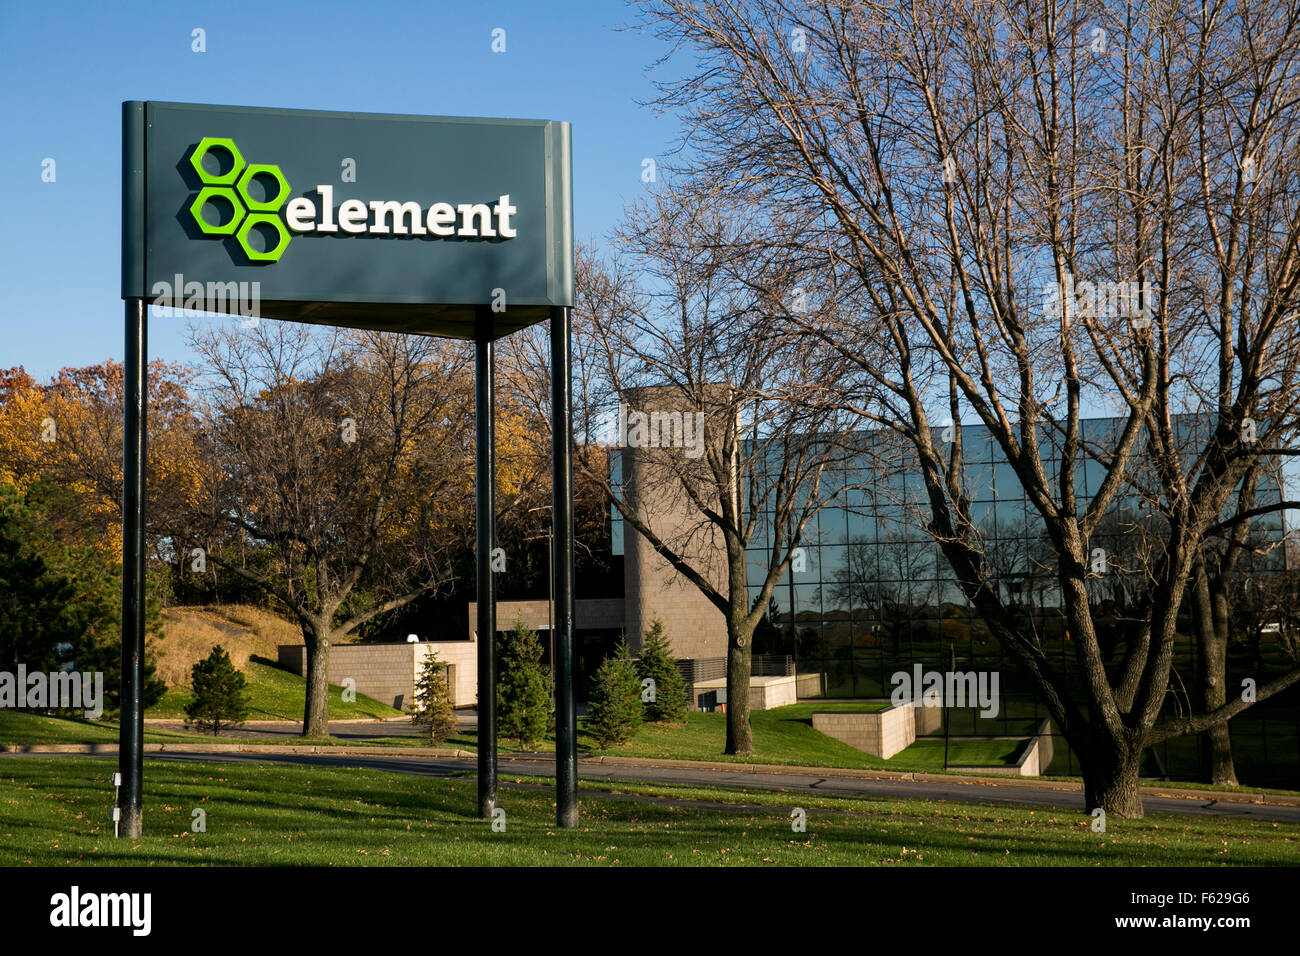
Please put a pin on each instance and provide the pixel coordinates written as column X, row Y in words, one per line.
column 264, row 170
column 233, row 185
column 254, row 254
column 207, row 195
column 215, row 145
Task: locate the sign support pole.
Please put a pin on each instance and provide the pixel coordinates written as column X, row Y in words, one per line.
column 566, row 755
column 485, row 534
column 135, row 427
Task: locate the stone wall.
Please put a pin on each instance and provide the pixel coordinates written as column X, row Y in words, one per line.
column 882, row 733
column 1038, row 755
column 387, row 672
column 1033, row 760
column 764, row 692
column 929, row 720
column 463, row 658
column 811, row 685
column 653, row 489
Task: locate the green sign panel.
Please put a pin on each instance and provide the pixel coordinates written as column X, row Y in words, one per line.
column 405, row 223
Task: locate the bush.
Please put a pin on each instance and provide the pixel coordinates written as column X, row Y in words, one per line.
column 218, row 689
column 615, row 714
column 658, row 664
column 523, row 695
column 432, row 707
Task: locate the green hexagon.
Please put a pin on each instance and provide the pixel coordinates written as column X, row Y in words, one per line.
column 201, row 150
column 211, row 192
column 265, row 169
column 271, row 255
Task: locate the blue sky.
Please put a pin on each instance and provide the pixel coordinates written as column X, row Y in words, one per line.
column 66, row 68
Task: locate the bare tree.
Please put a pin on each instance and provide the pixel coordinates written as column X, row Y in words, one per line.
column 673, row 331
column 342, row 464
column 1041, row 211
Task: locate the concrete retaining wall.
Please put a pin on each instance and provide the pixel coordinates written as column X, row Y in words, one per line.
column 881, row 734
column 1038, row 755
column 387, row 672
column 764, row 692
column 1034, row 759
column 929, row 720
column 811, row 685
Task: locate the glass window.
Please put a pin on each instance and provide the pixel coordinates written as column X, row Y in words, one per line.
column 757, row 563
column 981, row 514
column 830, row 562
column 976, row 443
column 1102, row 433
column 861, row 526
column 1007, row 484
column 807, row 603
column 1095, row 473
column 779, row 605
column 615, row 532
column 892, row 526
column 1080, row 486
column 837, row 634
column 867, row 680
column 1011, row 518
column 923, row 564
column 979, row 482
column 1052, row 471
column 832, row 522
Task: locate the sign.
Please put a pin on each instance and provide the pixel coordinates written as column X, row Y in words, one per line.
column 402, row 223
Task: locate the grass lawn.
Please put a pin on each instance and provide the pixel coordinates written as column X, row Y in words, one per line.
column 17, row 727
column 783, row 735
column 275, row 694
column 55, row 811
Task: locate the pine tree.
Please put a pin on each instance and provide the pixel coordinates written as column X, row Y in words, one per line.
column 523, row 699
column 218, row 690
column 432, row 707
column 60, row 596
column 615, row 714
column 667, row 696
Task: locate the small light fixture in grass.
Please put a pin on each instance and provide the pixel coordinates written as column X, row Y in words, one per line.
column 218, row 693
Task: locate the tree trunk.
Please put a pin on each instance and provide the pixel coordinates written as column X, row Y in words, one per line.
column 1110, row 778
column 1210, row 606
column 316, row 712
column 740, row 738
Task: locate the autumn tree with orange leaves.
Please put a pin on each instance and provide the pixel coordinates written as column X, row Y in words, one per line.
column 343, row 461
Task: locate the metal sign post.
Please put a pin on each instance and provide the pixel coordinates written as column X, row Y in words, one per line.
column 566, row 732
column 218, row 201
column 134, row 432
column 485, row 540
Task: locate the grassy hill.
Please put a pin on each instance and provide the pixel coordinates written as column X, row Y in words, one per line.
column 190, row 633
column 251, row 635
column 275, row 694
